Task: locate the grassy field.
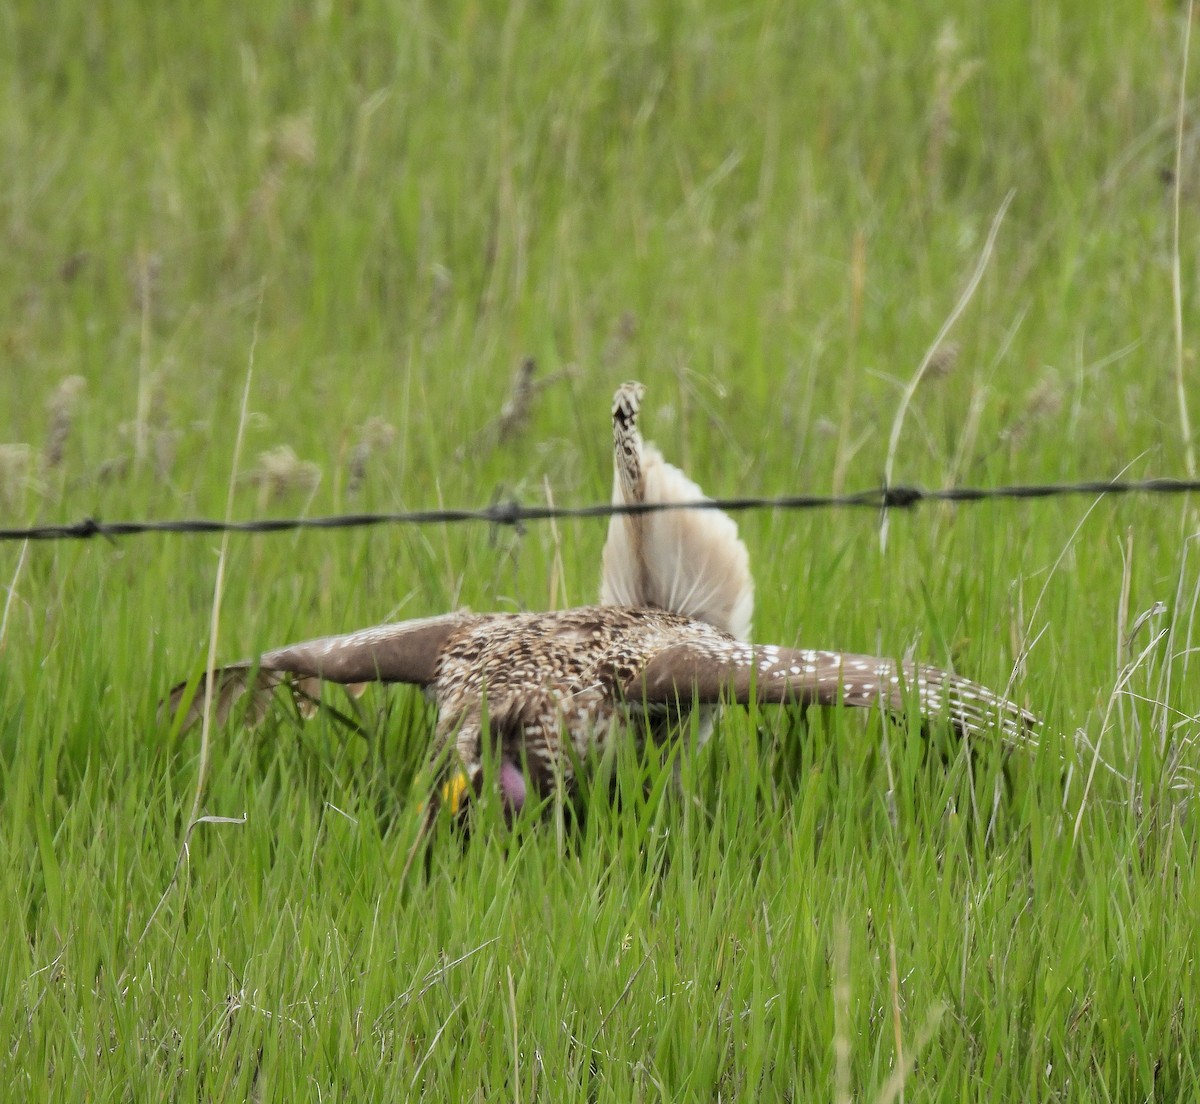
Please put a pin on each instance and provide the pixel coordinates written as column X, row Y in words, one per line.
column 369, row 214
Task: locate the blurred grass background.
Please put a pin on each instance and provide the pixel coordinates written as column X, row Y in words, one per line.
column 764, row 213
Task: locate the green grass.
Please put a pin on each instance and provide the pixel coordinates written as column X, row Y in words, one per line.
column 765, row 214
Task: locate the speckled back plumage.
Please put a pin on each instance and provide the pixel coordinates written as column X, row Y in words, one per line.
column 548, row 677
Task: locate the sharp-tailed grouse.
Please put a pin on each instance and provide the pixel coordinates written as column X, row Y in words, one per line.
column 545, row 690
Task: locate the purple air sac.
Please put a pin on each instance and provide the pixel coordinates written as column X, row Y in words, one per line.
column 512, row 787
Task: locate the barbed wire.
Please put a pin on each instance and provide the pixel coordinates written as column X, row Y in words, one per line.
column 513, row 513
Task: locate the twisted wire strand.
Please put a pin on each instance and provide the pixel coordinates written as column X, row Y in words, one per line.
column 514, row 513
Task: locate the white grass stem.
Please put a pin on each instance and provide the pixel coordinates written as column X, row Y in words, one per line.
column 433, row 1044
column 893, row 1087
column 142, row 412
column 516, row 1044
column 1185, row 422
column 894, row 986
column 12, row 593
column 194, row 817
column 911, row 387
column 1027, row 639
column 214, row 623
column 1114, row 697
column 558, row 580
column 841, row 1013
column 180, row 859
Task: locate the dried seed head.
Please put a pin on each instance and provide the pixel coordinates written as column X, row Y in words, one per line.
column 16, row 473
column 61, row 408
column 514, row 414
column 1045, row 398
column 943, row 361
column 280, row 472
column 373, row 436
column 295, row 139
column 620, row 339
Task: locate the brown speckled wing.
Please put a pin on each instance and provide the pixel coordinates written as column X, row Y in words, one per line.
column 407, row 651
column 768, row 674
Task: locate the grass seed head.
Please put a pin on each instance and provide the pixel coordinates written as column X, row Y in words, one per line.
column 61, row 408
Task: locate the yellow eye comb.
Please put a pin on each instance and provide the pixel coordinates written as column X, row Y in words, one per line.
column 453, row 790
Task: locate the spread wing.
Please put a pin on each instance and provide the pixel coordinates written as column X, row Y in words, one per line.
column 703, row 673
column 406, row 651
